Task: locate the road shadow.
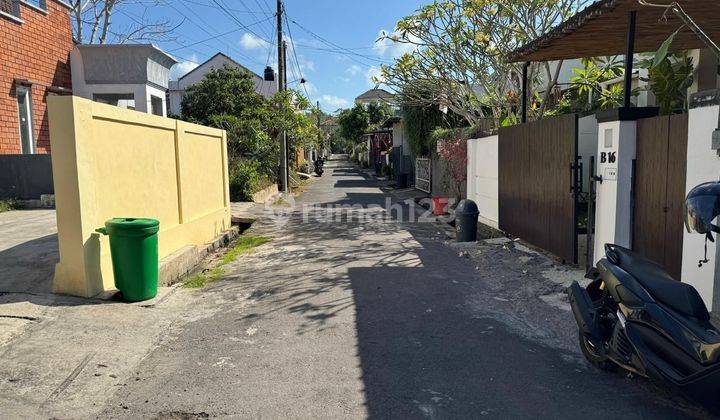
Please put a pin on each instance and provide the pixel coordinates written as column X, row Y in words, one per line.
column 426, row 352
column 423, row 350
column 29, row 266
column 26, row 275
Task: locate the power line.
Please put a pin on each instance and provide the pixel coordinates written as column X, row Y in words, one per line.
column 266, row 7
column 251, row 12
column 271, row 48
column 233, row 17
column 340, row 49
column 225, row 33
column 212, row 36
column 297, row 61
column 133, row 41
column 229, row 8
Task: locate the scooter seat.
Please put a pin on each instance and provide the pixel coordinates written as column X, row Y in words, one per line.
column 681, row 297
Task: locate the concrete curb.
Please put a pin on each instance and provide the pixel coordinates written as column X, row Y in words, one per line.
column 182, row 262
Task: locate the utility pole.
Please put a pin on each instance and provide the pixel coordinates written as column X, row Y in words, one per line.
column 284, row 59
column 320, row 134
column 287, row 140
column 284, row 187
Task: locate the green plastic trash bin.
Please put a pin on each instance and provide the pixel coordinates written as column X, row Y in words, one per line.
column 134, row 249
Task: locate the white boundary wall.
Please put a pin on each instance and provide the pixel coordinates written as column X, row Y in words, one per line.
column 482, row 175
column 703, row 165
column 613, row 223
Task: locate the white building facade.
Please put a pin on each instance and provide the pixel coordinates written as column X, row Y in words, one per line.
column 129, row 76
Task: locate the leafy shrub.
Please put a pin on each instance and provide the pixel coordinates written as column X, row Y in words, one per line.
column 453, row 151
column 669, row 77
column 304, row 166
column 245, row 180
column 7, row 205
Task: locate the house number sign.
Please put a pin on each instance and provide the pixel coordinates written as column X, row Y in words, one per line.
column 608, row 157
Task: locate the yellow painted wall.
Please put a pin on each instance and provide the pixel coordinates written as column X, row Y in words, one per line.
column 113, row 162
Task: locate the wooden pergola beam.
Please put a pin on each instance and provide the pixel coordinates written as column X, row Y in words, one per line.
column 629, row 56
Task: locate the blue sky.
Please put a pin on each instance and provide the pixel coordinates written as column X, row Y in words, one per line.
column 335, row 74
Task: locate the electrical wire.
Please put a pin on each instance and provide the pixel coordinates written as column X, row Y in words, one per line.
column 252, row 12
column 220, row 35
column 212, row 36
column 229, row 8
column 225, row 10
column 297, row 61
column 342, row 50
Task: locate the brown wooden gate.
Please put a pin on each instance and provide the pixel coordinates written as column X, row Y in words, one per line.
column 659, row 190
column 538, row 183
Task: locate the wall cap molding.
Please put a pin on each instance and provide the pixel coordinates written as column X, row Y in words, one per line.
column 705, row 98
column 626, row 114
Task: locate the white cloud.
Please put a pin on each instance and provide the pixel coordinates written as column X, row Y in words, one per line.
column 353, row 70
column 182, row 68
column 306, row 64
column 389, row 48
column 252, row 42
column 334, row 102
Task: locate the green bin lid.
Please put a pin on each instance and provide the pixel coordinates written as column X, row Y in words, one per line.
column 132, row 226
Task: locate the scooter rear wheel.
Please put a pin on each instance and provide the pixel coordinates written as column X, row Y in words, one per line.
column 592, row 356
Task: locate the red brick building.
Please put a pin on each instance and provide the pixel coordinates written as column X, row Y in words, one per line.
column 35, row 43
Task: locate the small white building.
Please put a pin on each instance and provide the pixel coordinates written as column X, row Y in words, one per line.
column 266, row 86
column 130, row 76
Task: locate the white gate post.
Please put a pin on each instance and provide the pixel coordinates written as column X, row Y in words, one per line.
column 617, row 132
column 703, row 165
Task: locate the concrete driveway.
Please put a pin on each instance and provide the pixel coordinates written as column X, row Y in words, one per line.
column 28, row 251
column 349, row 314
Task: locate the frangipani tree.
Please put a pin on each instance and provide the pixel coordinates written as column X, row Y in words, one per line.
column 459, row 57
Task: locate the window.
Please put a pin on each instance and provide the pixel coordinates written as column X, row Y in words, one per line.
column 10, row 8
column 156, row 106
column 39, row 5
column 27, row 143
column 123, row 100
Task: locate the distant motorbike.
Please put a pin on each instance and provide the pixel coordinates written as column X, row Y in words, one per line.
column 319, row 165
column 636, row 316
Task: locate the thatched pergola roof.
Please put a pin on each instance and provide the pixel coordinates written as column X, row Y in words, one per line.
column 601, row 30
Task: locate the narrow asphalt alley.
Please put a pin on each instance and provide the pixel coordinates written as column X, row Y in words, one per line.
column 347, row 314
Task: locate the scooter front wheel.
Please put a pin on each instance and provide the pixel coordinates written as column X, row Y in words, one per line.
column 593, row 356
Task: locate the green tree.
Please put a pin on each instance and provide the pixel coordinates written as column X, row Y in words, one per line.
column 226, row 99
column 225, row 91
column 586, row 84
column 460, row 50
column 378, row 113
column 418, row 125
column 669, row 77
column 353, row 122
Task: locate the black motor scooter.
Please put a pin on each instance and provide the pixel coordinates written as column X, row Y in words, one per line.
column 319, row 166
column 636, row 316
